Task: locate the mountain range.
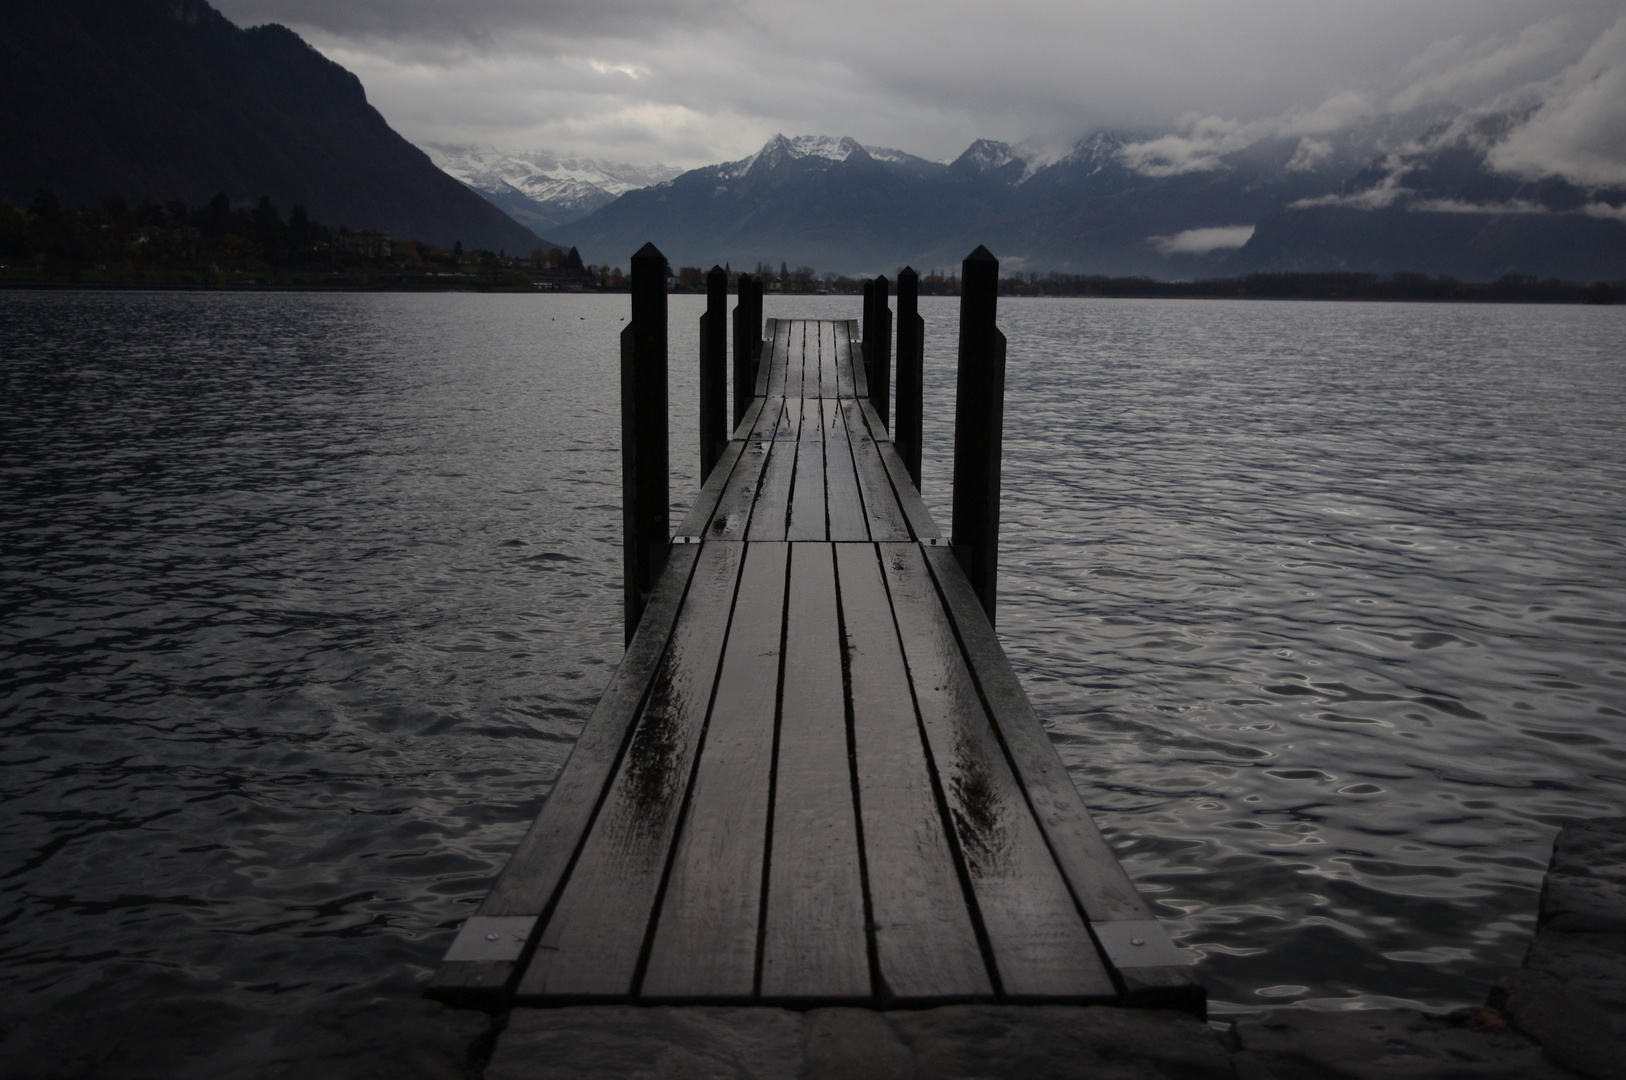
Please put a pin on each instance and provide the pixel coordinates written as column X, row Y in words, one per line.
column 1393, row 193
column 542, row 189
column 1437, row 206
column 168, row 99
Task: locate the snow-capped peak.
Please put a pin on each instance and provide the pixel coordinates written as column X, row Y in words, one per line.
column 823, row 146
column 883, row 153
column 1099, row 149
column 542, row 174
column 986, row 155
column 827, row 147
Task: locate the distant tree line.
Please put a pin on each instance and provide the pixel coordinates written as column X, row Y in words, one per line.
column 1328, row 286
column 222, row 243
column 803, row 279
column 1285, row 286
column 116, row 237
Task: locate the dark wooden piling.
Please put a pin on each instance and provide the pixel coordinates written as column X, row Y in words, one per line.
column 878, row 347
column 866, row 320
column 979, row 415
column 743, row 378
column 645, row 491
column 755, row 327
column 747, row 336
column 714, row 425
column 910, row 375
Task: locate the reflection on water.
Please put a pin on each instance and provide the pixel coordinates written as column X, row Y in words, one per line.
column 306, row 597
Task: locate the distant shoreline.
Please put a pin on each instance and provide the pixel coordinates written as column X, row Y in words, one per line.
column 1558, row 293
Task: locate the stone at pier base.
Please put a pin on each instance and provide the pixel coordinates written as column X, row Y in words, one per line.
column 1384, row 1044
column 1570, row 995
column 204, row 1039
column 1043, row 1042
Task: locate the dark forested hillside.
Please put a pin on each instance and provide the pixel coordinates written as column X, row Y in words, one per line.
column 167, row 99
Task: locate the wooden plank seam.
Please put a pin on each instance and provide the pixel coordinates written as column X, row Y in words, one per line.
column 940, row 798
column 683, row 813
column 773, row 786
column 877, row 985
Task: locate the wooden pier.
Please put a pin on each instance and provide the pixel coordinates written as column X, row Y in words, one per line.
column 814, row 778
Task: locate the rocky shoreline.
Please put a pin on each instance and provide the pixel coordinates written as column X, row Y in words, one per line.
column 1562, row 1014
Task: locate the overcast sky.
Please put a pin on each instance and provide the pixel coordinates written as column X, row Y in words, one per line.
column 692, row 82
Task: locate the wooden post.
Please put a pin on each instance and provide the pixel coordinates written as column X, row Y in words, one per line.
column 714, row 425
column 645, row 493
column 744, row 381
column 880, row 353
column 979, row 415
column 911, row 369
column 866, row 325
column 755, row 327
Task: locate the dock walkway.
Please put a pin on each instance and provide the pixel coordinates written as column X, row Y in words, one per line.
column 814, row 778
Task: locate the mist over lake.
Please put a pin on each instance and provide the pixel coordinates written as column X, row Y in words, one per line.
column 306, row 598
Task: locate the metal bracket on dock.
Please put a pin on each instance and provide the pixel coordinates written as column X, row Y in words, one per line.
column 1138, row 943
column 486, row 938
column 687, row 539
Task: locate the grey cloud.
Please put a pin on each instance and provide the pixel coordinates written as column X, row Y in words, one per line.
column 695, row 81
column 482, row 22
column 1456, row 69
column 1578, row 128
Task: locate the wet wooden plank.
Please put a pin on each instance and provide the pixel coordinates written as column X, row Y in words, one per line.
column 828, row 387
column 748, row 422
column 813, row 385
column 698, row 519
column 772, row 423
column 881, row 509
column 1092, row 871
column 732, row 517
column 807, row 517
column 810, row 359
column 913, row 506
column 925, row 943
column 771, row 513
column 1041, row 946
column 1104, row 890
column 765, row 361
column 831, row 371
column 705, row 944
column 530, row 881
column 796, row 367
column 852, row 361
column 771, row 376
column 841, row 351
column 843, row 506
column 590, row 945
column 921, row 522
column 814, row 946
column 788, row 360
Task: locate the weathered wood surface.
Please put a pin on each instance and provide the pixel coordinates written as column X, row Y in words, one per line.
column 814, row 778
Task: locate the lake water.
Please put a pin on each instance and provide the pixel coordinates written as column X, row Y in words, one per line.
column 305, row 598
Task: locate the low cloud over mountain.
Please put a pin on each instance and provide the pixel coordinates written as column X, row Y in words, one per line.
column 1533, row 184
